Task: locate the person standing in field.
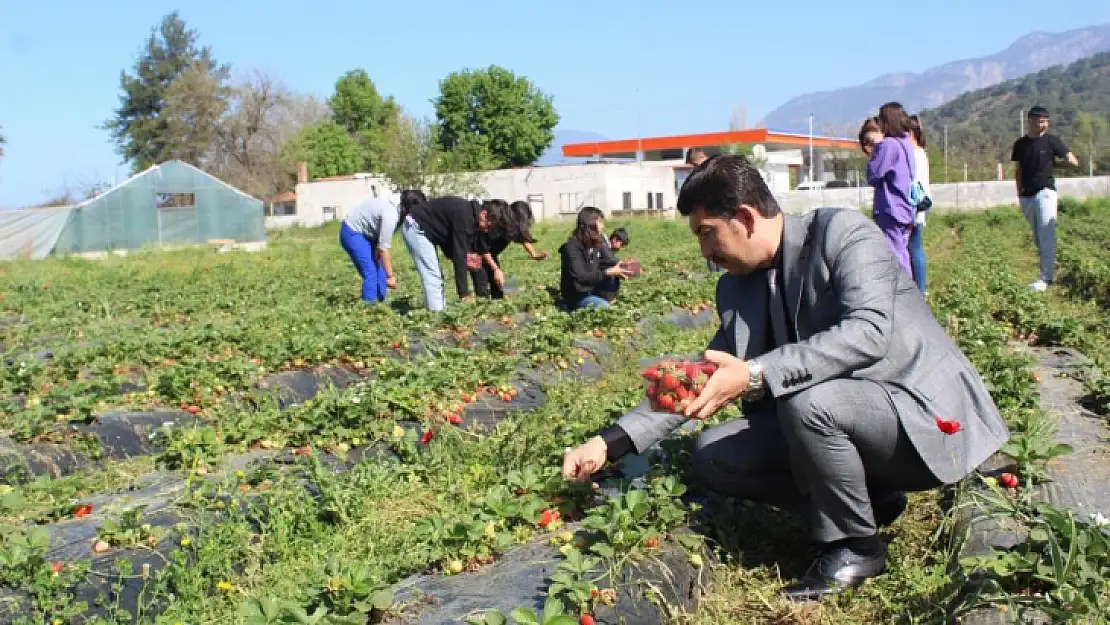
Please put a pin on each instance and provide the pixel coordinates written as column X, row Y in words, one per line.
column 890, row 171
column 921, row 171
column 1036, row 154
column 366, row 235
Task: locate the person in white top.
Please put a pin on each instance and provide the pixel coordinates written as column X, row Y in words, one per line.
column 366, row 234
column 921, row 174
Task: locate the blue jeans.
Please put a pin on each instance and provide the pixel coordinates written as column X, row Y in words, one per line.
column 1040, row 211
column 426, row 259
column 610, row 285
column 917, row 256
column 361, row 251
column 591, row 301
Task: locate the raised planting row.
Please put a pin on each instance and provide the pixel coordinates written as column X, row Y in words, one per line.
column 152, row 530
column 1025, row 539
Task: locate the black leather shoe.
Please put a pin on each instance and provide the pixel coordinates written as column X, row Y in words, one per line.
column 835, row 569
column 889, row 508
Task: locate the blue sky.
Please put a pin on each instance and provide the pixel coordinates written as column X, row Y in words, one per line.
column 616, row 67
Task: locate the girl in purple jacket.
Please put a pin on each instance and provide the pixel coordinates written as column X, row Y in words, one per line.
column 891, row 171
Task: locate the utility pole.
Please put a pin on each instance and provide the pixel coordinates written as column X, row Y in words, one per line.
column 1021, row 123
column 811, row 147
column 946, row 153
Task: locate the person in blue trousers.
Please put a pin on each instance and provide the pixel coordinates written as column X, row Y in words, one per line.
column 365, row 235
column 921, row 171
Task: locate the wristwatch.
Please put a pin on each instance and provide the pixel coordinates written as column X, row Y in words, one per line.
column 756, row 387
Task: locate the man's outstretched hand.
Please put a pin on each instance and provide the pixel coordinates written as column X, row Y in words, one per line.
column 585, row 460
column 724, row 386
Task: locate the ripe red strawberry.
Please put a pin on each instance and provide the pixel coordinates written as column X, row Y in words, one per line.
column 193, row 409
column 453, row 418
column 682, row 392
column 56, row 567
column 396, row 344
column 467, row 398
column 427, row 437
column 708, row 368
column 1009, row 480
column 547, row 516
column 691, row 369
column 666, row 401
column 652, row 390
column 83, row 510
column 586, row 619
column 670, row 382
column 651, row 543
column 651, row 374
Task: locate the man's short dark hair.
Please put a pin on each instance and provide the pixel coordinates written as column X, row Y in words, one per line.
column 620, row 234
column 721, row 184
column 1038, row 112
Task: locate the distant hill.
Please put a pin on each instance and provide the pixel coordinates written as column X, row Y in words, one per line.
column 983, row 124
column 845, row 108
column 554, row 154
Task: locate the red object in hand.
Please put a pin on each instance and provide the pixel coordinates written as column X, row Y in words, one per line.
column 1009, row 480
column 674, row 384
column 947, row 426
column 633, row 267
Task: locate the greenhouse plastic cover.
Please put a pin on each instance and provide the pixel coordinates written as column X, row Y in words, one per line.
column 29, row 233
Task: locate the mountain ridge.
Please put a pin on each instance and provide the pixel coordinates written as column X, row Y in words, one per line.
column 842, row 109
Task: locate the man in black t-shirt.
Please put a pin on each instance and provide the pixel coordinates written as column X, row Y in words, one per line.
column 1036, row 155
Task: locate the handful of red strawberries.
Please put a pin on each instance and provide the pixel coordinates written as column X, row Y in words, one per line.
column 674, row 384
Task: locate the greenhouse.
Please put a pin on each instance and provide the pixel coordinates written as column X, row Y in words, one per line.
column 171, row 204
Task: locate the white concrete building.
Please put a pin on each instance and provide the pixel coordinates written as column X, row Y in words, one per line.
column 553, row 192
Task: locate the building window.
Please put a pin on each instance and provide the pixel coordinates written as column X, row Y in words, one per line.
column 329, row 213
column 568, row 202
column 175, row 200
column 626, row 200
column 282, row 209
column 659, row 201
column 535, row 203
column 651, row 201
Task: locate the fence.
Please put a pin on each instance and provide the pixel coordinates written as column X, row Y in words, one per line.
column 951, row 197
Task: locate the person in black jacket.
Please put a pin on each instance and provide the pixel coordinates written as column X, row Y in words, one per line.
column 489, row 280
column 585, row 262
column 452, row 224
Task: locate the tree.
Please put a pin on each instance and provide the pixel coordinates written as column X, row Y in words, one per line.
column 415, row 160
column 1089, row 142
column 358, row 107
column 3, row 141
column 140, row 129
column 492, row 118
column 195, row 105
column 327, row 148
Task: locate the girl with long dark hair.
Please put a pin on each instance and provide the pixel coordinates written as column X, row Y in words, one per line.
column 585, row 263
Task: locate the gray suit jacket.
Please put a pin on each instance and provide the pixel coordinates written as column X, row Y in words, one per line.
column 857, row 315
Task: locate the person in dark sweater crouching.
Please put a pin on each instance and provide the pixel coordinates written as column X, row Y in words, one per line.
column 586, row 262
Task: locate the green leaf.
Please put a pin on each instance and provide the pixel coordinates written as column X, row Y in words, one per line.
column 524, row 616
column 382, row 599
column 561, row 619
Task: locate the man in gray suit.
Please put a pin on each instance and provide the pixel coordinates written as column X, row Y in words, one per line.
column 851, row 387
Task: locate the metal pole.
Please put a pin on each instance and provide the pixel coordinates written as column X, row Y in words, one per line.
column 811, row 147
column 946, row 153
column 1021, row 122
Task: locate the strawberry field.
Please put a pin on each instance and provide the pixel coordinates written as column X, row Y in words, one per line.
column 194, row 437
